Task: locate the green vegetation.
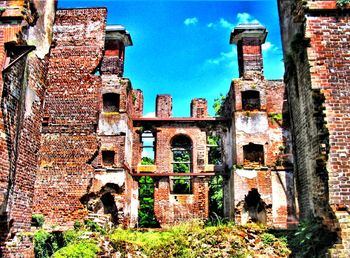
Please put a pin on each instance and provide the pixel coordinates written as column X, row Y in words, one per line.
column 65, row 244
column 311, row 239
column 216, row 199
column 38, row 220
column 193, row 239
column 214, row 154
column 147, row 161
column 276, row 117
column 146, row 196
column 218, row 103
column 342, row 3
column 45, row 243
column 83, row 249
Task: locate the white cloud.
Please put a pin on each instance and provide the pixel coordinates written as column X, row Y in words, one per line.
column 268, row 46
column 211, row 25
column 225, row 57
column 191, row 21
column 225, row 24
column 150, row 114
column 244, row 18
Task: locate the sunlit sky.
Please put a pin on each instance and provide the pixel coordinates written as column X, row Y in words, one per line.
column 182, row 47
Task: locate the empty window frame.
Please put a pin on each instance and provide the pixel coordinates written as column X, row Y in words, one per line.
column 250, row 100
column 148, row 148
column 108, row 158
column 214, row 150
column 181, row 147
column 111, row 102
column 253, row 153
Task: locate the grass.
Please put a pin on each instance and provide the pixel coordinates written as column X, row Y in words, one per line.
column 191, row 240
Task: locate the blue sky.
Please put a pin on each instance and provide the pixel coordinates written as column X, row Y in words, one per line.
column 182, row 47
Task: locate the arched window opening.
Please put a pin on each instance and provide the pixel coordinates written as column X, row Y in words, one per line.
column 181, row 147
column 250, row 100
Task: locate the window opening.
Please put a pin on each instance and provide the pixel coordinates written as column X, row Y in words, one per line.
column 182, row 163
column 108, row 158
column 148, row 148
column 146, row 216
column 214, row 150
column 111, row 102
column 250, row 100
column 253, row 153
column 216, row 197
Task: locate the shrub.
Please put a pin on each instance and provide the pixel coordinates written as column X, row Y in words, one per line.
column 77, row 225
column 38, row 220
column 84, row 248
column 94, row 227
column 312, row 239
column 45, row 243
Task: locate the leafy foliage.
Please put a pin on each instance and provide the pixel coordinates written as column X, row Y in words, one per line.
column 147, row 161
column 94, row 227
column 146, row 210
column 342, row 3
column 218, row 103
column 216, row 198
column 38, row 220
column 311, row 239
column 84, row 248
column 45, row 243
column 214, row 154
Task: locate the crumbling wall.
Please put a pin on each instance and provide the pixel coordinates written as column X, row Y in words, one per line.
column 315, row 40
column 69, row 143
column 23, row 84
column 170, row 208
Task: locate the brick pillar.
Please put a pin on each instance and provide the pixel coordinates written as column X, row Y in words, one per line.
column 117, row 38
column 137, row 99
column 249, row 38
column 164, row 106
column 199, row 108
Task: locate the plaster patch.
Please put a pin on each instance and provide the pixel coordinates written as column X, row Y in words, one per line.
column 247, row 173
column 114, row 178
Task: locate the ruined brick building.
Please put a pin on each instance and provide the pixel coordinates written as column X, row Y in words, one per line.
column 72, row 135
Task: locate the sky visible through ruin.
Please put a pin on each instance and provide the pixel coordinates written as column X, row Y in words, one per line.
column 182, row 47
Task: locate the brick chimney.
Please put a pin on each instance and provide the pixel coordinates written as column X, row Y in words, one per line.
column 199, row 108
column 117, row 38
column 249, row 38
column 164, row 106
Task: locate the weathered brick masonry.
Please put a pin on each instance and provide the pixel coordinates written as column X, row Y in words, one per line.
column 86, row 160
column 25, row 39
column 316, row 49
column 261, row 143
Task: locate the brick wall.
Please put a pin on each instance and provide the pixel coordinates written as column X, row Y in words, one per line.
column 72, row 103
column 22, row 91
column 164, row 106
column 316, row 59
column 199, row 108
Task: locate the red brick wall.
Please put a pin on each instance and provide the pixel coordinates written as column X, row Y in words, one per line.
column 318, row 93
column 199, row 108
column 22, row 91
column 171, row 208
column 72, row 104
column 164, row 106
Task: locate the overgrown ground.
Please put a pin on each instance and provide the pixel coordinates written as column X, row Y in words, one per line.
column 192, row 239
